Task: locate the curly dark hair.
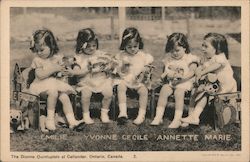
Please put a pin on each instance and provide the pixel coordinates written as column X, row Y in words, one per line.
column 44, row 36
column 177, row 39
column 85, row 36
column 131, row 33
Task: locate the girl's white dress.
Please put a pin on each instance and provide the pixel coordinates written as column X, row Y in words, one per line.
column 51, row 83
column 135, row 65
column 182, row 65
column 224, row 74
column 96, row 82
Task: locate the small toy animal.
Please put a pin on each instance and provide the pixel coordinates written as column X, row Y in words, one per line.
column 17, row 121
column 67, row 63
column 207, row 85
column 145, row 76
column 173, row 75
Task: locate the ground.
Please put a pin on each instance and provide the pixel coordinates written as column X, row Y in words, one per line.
column 88, row 139
column 127, row 138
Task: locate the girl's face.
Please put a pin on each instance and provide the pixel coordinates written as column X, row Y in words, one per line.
column 208, row 49
column 43, row 51
column 132, row 47
column 178, row 52
column 90, row 48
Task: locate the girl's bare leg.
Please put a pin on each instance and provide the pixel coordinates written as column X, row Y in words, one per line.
column 68, row 110
column 194, row 117
column 179, row 106
column 165, row 92
column 122, row 99
column 105, row 105
column 86, row 95
column 51, row 105
column 143, row 100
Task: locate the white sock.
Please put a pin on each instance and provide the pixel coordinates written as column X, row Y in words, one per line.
column 86, row 115
column 123, row 110
column 104, row 115
column 71, row 118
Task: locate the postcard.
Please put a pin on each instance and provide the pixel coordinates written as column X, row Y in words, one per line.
column 124, row 80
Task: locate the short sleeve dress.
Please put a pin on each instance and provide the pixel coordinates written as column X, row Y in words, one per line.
column 182, row 65
column 98, row 82
column 224, row 74
column 51, row 83
column 136, row 64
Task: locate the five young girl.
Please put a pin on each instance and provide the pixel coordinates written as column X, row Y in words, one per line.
column 92, row 80
column 215, row 48
column 46, row 65
column 180, row 66
column 133, row 61
column 181, row 70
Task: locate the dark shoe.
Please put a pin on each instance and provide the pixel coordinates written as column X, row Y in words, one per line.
column 63, row 125
column 122, row 120
column 79, row 127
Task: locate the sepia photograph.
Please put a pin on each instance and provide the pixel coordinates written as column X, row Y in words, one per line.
column 119, row 81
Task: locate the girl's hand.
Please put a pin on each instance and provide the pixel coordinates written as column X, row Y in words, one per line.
column 171, row 74
column 128, row 78
column 198, row 73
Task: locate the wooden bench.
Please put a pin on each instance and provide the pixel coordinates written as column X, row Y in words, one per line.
column 37, row 104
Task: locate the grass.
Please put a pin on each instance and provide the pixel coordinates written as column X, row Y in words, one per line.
column 68, row 140
column 64, row 139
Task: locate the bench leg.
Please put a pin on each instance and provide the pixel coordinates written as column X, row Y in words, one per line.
column 113, row 107
column 42, row 105
column 152, row 105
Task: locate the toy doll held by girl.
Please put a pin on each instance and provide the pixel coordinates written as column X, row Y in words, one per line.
column 215, row 48
column 92, row 78
column 133, row 61
column 46, row 64
column 179, row 70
